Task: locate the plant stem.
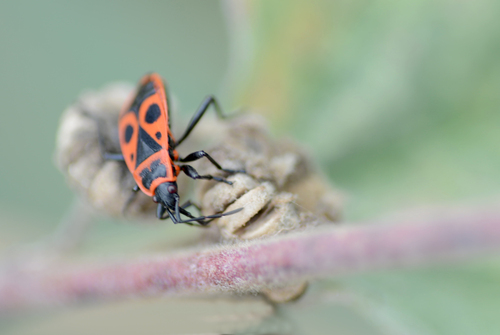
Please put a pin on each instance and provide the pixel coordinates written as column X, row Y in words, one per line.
column 248, row 267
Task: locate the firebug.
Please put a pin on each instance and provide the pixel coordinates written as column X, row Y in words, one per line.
column 148, row 147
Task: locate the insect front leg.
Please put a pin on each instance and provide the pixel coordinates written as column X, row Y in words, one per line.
column 210, row 100
column 189, row 204
column 192, row 173
column 202, row 220
column 200, row 154
column 160, row 212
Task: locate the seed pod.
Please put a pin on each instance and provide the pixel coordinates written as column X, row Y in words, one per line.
column 281, row 192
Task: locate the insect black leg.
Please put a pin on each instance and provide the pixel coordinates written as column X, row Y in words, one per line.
column 201, row 219
column 192, row 173
column 179, row 210
column 176, row 216
column 160, row 212
column 131, row 198
column 113, row 157
column 189, row 203
column 204, row 218
column 107, row 155
column 210, row 100
column 200, row 154
column 100, row 138
column 185, row 212
column 172, row 216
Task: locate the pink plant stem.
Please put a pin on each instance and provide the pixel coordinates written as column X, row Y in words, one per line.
column 322, row 252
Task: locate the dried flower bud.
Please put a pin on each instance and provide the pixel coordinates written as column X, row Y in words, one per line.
column 281, row 192
column 87, row 129
column 281, row 184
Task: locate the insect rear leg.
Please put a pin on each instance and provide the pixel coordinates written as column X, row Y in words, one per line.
column 176, row 218
column 189, row 204
column 108, row 155
column 210, row 100
column 131, row 198
column 160, row 213
column 192, row 173
column 209, row 217
column 182, row 210
column 200, row 154
column 191, row 216
column 113, row 157
column 202, row 220
column 161, row 209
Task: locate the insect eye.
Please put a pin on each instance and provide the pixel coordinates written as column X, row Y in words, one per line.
column 172, row 189
column 155, row 199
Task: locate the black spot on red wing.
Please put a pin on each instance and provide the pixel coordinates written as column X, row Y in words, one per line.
column 153, row 113
column 144, row 92
column 149, row 174
column 146, row 146
column 132, row 156
column 158, row 135
column 129, row 131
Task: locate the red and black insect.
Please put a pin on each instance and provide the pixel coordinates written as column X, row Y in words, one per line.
column 149, row 149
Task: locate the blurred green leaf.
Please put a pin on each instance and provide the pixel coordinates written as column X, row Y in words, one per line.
column 448, row 300
column 399, row 102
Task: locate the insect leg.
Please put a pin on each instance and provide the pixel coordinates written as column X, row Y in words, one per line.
column 172, row 217
column 192, row 173
column 188, row 204
column 210, row 100
column 200, row 154
column 113, row 157
column 176, row 216
column 178, row 211
column 185, row 212
column 160, row 212
column 215, row 216
column 130, row 199
column 201, row 219
column 107, row 155
column 100, row 137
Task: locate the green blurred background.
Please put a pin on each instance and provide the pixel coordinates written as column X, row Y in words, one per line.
column 398, row 102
